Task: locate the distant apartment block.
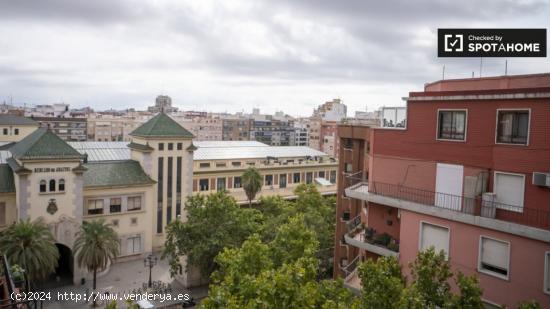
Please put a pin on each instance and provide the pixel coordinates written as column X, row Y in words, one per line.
column 220, row 165
column 333, row 110
column 463, row 168
column 236, row 129
column 162, row 103
column 69, row 129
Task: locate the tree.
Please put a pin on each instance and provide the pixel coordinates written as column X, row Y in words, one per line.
column 30, row 245
column 95, row 247
column 529, row 304
column 381, row 283
column 257, row 275
column 252, row 183
column 470, row 293
column 214, row 222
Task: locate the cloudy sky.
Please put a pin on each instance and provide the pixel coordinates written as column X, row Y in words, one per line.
column 288, row 55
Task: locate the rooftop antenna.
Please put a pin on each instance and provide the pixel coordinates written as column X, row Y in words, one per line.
column 443, row 74
column 472, row 74
column 480, row 66
column 506, row 67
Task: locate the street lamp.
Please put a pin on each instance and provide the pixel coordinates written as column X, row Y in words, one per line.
column 150, row 261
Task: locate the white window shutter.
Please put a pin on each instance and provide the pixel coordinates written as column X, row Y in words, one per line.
column 434, row 236
column 509, row 189
column 494, row 253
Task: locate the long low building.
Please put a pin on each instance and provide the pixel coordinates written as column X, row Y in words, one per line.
column 138, row 187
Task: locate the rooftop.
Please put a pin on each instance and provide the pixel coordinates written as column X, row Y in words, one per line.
column 491, row 83
column 161, row 126
column 43, row 144
column 115, row 173
column 12, row 120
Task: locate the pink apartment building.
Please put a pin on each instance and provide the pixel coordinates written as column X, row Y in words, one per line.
column 465, row 168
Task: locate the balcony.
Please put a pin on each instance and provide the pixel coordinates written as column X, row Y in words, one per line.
column 368, row 239
column 351, row 279
column 458, row 208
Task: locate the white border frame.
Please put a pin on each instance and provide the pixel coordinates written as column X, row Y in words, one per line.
column 488, row 272
column 420, row 238
column 528, row 125
column 523, row 193
column 465, row 124
column 546, row 285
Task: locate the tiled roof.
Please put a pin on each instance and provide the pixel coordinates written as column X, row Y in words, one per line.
column 7, row 184
column 103, row 151
column 161, row 126
column 209, row 144
column 11, row 120
column 141, row 147
column 43, row 144
column 114, row 174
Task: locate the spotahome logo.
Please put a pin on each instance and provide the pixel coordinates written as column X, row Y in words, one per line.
column 491, row 42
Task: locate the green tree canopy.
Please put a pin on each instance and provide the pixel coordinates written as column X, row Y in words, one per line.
column 32, row 246
column 214, row 222
column 381, row 283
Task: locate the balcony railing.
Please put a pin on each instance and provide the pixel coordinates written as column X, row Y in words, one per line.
column 473, row 206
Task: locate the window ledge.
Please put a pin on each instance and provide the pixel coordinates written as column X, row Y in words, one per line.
column 492, row 274
column 512, row 144
column 114, row 214
column 450, row 140
column 52, row 193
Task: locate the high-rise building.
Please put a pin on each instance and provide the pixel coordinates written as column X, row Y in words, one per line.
column 69, row 129
column 464, row 168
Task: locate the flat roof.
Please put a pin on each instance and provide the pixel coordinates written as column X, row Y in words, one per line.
column 207, row 150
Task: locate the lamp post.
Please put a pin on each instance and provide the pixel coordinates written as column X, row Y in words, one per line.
column 150, row 261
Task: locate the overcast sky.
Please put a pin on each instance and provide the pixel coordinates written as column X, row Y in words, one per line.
column 289, row 55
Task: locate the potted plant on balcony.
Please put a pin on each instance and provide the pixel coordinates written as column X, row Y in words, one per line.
column 17, row 275
column 382, row 239
column 394, row 245
column 369, row 234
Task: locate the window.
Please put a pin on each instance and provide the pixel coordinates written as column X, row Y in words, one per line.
column 348, row 143
column 394, row 117
column 95, row 207
column 332, row 176
column 170, row 146
column 236, row 164
column 509, row 189
column 321, row 174
column 268, row 180
column 296, row 178
column 221, row 164
column 547, row 272
column 494, row 257
column 2, row 213
column 115, row 205
column 179, row 146
column 161, row 146
column 42, row 186
column 513, row 127
column 237, row 183
column 16, row 131
column 134, row 203
column 52, row 185
column 220, row 184
column 5, row 131
column 61, row 185
column 309, row 177
column 204, row 165
column 250, row 163
column 203, row 184
column 451, row 125
column 134, row 244
column 282, row 181
column 434, row 236
column 348, row 167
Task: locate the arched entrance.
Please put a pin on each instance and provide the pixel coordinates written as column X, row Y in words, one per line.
column 63, row 274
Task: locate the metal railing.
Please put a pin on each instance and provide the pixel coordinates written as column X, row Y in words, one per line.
column 353, row 223
column 474, row 206
column 352, row 179
column 7, row 280
column 350, row 267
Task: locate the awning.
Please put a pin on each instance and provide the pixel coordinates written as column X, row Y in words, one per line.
column 322, row 182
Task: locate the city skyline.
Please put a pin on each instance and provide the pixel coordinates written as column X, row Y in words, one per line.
column 232, row 57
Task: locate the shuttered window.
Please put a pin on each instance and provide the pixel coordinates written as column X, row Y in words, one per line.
column 434, row 236
column 509, row 190
column 547, row 272
column 494, row 257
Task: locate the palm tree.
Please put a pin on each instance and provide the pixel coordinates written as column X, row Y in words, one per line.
column 252, row 183
column 31, row 245
column 96, row 246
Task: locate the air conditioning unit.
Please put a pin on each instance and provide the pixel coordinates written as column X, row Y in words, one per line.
column 541, row 179
column 488, row 206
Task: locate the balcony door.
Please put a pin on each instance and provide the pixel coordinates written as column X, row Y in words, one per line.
column 448, row 186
